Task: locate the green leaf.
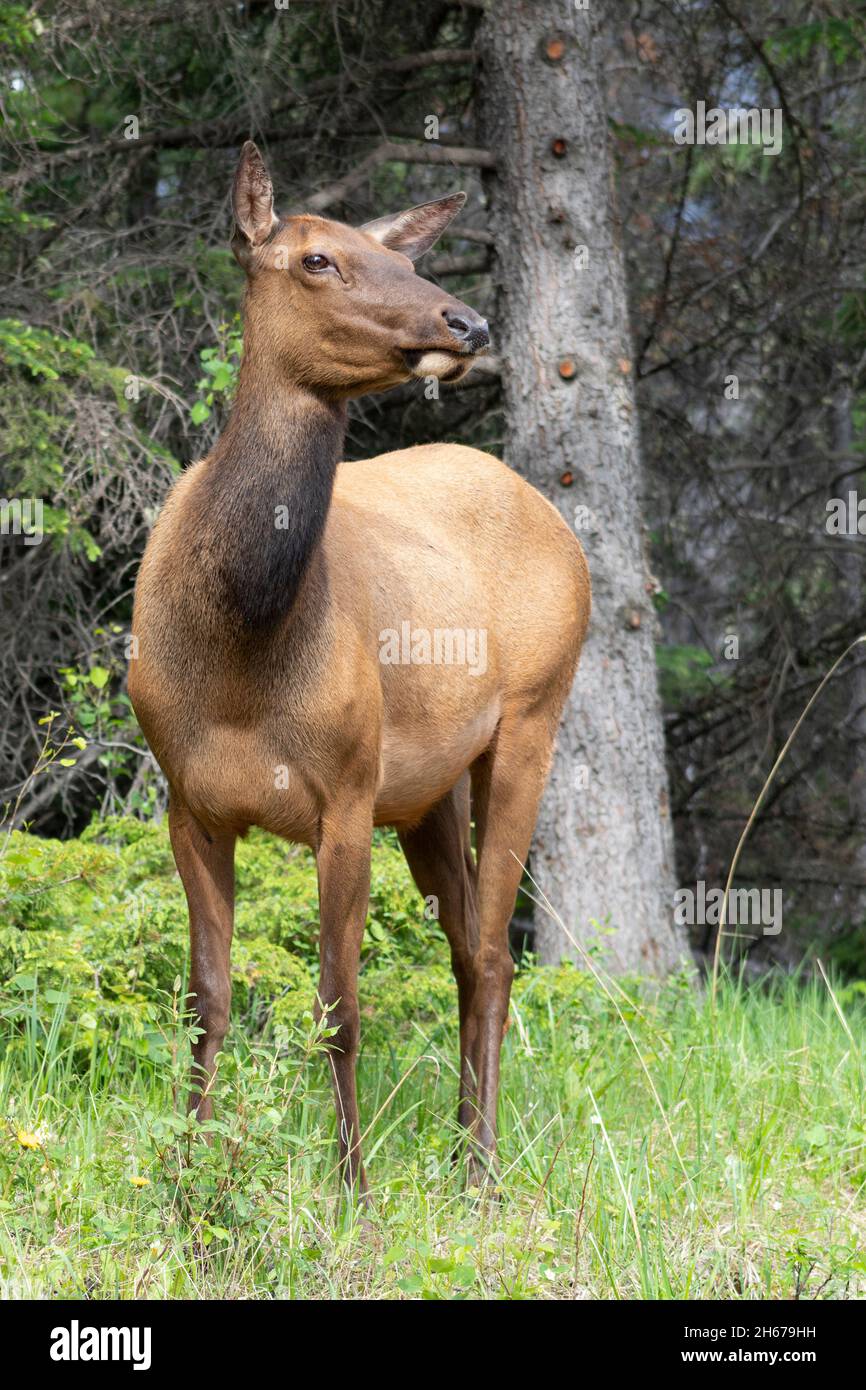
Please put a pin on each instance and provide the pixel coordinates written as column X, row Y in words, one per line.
column 223, row 377
column 413, row 1283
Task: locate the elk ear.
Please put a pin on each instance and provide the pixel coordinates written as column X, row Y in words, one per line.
column 414, row 231
column 252, row 202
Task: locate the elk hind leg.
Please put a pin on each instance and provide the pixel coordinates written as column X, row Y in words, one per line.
column 507, row 784
column 440, row 858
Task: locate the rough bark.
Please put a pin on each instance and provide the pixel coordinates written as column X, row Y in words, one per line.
column 853, row 897
column 603, row 848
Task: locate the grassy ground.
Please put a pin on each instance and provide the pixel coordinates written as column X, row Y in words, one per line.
column 690, row 1159
column 650, row 1148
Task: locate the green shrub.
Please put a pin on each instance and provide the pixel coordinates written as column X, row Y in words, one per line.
column 99, row 924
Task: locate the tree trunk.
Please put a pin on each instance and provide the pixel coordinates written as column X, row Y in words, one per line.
column 853, row 898
column 603, row 851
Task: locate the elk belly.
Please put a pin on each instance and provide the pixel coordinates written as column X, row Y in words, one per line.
column 418, row 770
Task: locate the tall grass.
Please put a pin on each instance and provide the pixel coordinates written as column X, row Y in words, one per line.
column 707, row 1155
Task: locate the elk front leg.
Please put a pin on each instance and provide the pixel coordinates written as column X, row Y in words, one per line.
column 343, row 861
column 206, row 868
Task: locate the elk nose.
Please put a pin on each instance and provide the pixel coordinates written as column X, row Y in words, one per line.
column 468, row 328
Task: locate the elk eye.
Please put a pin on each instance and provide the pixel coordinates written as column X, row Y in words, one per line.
column 315, row 262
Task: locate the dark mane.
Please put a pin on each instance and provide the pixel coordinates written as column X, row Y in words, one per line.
column 263, row 506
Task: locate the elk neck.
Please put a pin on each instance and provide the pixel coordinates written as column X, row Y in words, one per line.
column 266, row 494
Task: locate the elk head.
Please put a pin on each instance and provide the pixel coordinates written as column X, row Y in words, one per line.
column 340, row 309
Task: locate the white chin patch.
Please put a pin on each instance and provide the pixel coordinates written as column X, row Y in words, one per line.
column 438, row 364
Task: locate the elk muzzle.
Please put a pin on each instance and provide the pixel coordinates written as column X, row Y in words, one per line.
column 469, row 336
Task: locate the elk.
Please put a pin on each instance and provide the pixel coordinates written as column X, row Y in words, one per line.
column 259, row 644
